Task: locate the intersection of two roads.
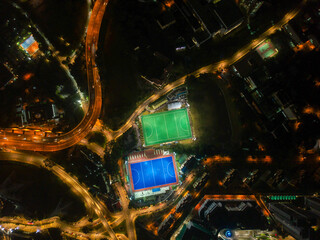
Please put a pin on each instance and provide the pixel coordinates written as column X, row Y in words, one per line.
column 27, row 139
column 38, row 140
column 94, row 206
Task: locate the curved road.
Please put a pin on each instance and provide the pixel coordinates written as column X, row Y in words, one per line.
column 209, row 69
column 38, row 140
column 47, row 141
column 31, row 226
column 91, row 204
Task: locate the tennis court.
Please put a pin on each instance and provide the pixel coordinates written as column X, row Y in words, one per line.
column 153, row 173
column 166, row 126
column 266, row 49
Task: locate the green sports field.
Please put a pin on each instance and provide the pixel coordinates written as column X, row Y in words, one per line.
column 166, row 126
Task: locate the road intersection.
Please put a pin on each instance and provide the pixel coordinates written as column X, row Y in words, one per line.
column 26, row 139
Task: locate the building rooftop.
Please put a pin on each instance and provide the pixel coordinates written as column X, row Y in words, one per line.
column 174, row 105
column 208, row 18
column 165, row 19
column 232, row 213
column 228, row 13
column 248, row 64
column 40, row 113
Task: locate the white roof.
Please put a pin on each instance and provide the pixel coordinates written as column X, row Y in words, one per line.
column 174, row 105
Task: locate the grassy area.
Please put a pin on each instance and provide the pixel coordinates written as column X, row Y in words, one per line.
column 181, row 158
column 118, row 149
column 216, row 119
column 123, row 88
column 210, row 118
column 98, row 138
column 166, row 126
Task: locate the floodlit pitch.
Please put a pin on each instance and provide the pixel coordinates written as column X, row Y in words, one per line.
column 166, row 127
column 30, row 45
column 153, row 173
column 266, row 49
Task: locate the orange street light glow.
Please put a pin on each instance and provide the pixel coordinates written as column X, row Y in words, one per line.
column 267, row 159
column 27, row 76
column 308, row 110
column 251, row 159
column 169, row 3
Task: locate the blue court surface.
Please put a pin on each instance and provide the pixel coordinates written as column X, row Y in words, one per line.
column 153, row 173
column 27, row 43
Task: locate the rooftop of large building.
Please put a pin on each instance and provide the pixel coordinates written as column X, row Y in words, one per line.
column 221, row 213
column 208, row 18
column 246, row 66
column 228, row 12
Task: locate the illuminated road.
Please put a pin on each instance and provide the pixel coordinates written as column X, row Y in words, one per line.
column 47, row 141
column 93, row 147
column 92, row 205
column 141, row 108
column 127, row 213
column 208, row 69
column 130, row 215
column 30, row 226
column 27, row 139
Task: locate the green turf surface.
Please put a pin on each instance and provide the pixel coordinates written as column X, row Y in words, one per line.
column 166, row 126
column 263, row 47
column 269, row 53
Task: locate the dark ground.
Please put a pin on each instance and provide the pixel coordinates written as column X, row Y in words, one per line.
column 123, row 87
column 60, row 18
column 38, row 193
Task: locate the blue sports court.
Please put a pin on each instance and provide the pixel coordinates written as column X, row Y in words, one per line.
column 153, row 173
column 27, row 43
